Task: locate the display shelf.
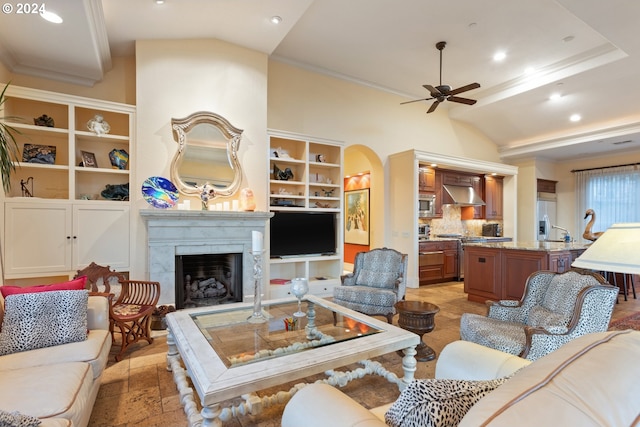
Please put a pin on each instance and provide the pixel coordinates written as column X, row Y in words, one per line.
column 316, row 185
column 71, row 214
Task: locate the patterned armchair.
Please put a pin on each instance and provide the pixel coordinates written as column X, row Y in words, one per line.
column 378, row 281
column 554, row 309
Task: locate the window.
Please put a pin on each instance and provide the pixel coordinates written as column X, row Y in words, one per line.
column 612, row 192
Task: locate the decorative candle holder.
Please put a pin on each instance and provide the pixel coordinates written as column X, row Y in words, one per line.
column 257, row 316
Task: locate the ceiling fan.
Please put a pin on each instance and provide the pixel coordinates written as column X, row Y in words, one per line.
column 442, row 92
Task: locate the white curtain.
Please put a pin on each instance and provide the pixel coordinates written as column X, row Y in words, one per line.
column 613, row 193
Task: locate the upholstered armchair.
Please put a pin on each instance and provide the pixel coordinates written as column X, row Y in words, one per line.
column 378, row 281
column 555, row 308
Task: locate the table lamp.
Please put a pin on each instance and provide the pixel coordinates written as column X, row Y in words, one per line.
column 616, row 251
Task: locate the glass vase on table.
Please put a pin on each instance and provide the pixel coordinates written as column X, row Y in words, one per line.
column 299, row 287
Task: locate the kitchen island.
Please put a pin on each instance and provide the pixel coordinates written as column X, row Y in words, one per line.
column 496, row 271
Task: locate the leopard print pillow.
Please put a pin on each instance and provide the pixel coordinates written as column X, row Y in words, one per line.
column 16, row 419
column 437, row 402
column 43, row 319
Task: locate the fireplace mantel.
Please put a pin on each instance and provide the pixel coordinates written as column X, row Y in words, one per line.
column 179, row 232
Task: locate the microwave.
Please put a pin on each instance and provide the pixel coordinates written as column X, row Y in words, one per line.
column 426, row 205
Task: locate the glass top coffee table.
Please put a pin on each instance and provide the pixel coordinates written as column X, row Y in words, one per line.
column 226, row 356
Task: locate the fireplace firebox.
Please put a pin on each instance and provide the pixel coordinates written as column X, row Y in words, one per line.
column 208, row 279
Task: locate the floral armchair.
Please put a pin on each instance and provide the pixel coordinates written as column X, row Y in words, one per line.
column 378, row 281
column 554, row 309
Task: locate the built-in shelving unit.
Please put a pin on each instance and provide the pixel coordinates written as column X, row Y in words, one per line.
column 305, row 175
column 56, row 201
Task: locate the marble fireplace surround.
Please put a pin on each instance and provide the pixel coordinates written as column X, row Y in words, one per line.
column 173, row 232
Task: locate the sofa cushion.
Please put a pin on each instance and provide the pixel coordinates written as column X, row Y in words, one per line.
column 437, row 402
column 68, row 389
column 377, row 279
column 43, row 319
column 16, row 419
column 94, row 351
column 558, row 389
column 544, row 318
column 72, row 285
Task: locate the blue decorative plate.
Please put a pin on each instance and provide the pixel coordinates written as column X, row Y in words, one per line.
column 159, row 192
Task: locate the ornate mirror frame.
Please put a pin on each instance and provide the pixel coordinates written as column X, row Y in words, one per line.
column 180, row 129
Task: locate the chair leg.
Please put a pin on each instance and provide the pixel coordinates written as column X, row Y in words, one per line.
column 133, row 331
column 389, row 317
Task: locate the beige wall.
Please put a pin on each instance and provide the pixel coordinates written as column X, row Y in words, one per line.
column 118, row 84
column 178, row 77
column 531, row 170
column 309, row 103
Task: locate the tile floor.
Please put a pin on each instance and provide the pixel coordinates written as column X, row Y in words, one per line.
column 139, row 391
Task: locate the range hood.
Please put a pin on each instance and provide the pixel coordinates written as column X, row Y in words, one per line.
column 461, row 196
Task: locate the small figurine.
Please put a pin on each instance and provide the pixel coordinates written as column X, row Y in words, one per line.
column 207, row 193
column 588, row 234
column 98, row 125
column 44, row 120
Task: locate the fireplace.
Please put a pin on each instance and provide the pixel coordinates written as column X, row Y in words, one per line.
column 208, row 279
column 173, row 233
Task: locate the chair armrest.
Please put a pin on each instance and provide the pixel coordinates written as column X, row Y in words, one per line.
column 465, row 360
column 507, row 310
column 98, row 307
column 348, row 279
column 320, row 405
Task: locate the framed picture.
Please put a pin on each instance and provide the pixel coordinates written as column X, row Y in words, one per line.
column 34, row 153
column 356, row 225
column 89, row 160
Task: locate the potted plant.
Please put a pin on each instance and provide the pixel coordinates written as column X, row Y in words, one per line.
column 8, row 145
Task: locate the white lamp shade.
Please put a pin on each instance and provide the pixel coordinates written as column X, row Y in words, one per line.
column 616, row 251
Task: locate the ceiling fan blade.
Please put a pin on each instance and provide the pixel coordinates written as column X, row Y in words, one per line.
column 464, row 88
column 433, row 106
column 432, row 90
column 462, row 100
column 415, row 100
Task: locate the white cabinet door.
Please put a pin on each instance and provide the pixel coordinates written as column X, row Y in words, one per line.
column 101, row 235
column 38, row 238
column 53, row 238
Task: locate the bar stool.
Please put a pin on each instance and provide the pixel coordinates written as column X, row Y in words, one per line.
column 624, row 288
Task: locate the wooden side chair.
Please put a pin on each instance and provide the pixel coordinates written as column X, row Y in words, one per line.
column 132, row 311
column 100, row 278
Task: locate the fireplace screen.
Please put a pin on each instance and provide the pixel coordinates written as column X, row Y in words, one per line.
column 208, row 279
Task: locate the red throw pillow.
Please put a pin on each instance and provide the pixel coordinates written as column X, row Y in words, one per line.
column 72, row 285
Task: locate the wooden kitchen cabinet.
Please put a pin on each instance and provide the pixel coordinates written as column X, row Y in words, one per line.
column 426, row 180
column 493, row 193
column 438, row 261
column 496, row 273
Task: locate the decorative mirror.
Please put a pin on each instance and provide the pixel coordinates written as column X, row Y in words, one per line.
column 207, row 153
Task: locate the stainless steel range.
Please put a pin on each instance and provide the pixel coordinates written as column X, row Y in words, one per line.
column 461, row 239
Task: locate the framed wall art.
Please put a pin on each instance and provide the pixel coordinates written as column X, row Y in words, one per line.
column 34, row 153
column 89, row 160
column 356, row 225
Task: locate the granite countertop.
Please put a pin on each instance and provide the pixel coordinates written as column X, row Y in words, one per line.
column 483, row 238
column 532, row 246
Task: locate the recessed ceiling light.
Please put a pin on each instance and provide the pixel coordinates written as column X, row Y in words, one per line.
column 575, row 118
column 276, row 19
column 499, row 56
column 555, row 96
column 51, row 17
column 159, row 1
column 568, row 39
column 433, row 165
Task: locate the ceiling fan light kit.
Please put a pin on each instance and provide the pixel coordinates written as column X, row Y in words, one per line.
column 442, row 92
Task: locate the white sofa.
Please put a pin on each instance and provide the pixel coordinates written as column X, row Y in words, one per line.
column 591, row 381
column 59, row 384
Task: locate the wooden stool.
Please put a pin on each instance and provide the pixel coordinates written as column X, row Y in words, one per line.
column 418, row 317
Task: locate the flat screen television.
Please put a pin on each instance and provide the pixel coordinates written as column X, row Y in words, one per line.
column 302, row 233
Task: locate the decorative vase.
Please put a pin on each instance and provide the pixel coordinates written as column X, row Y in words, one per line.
column 299, row 287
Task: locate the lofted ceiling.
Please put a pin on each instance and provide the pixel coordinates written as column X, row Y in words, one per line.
column 585, row 50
